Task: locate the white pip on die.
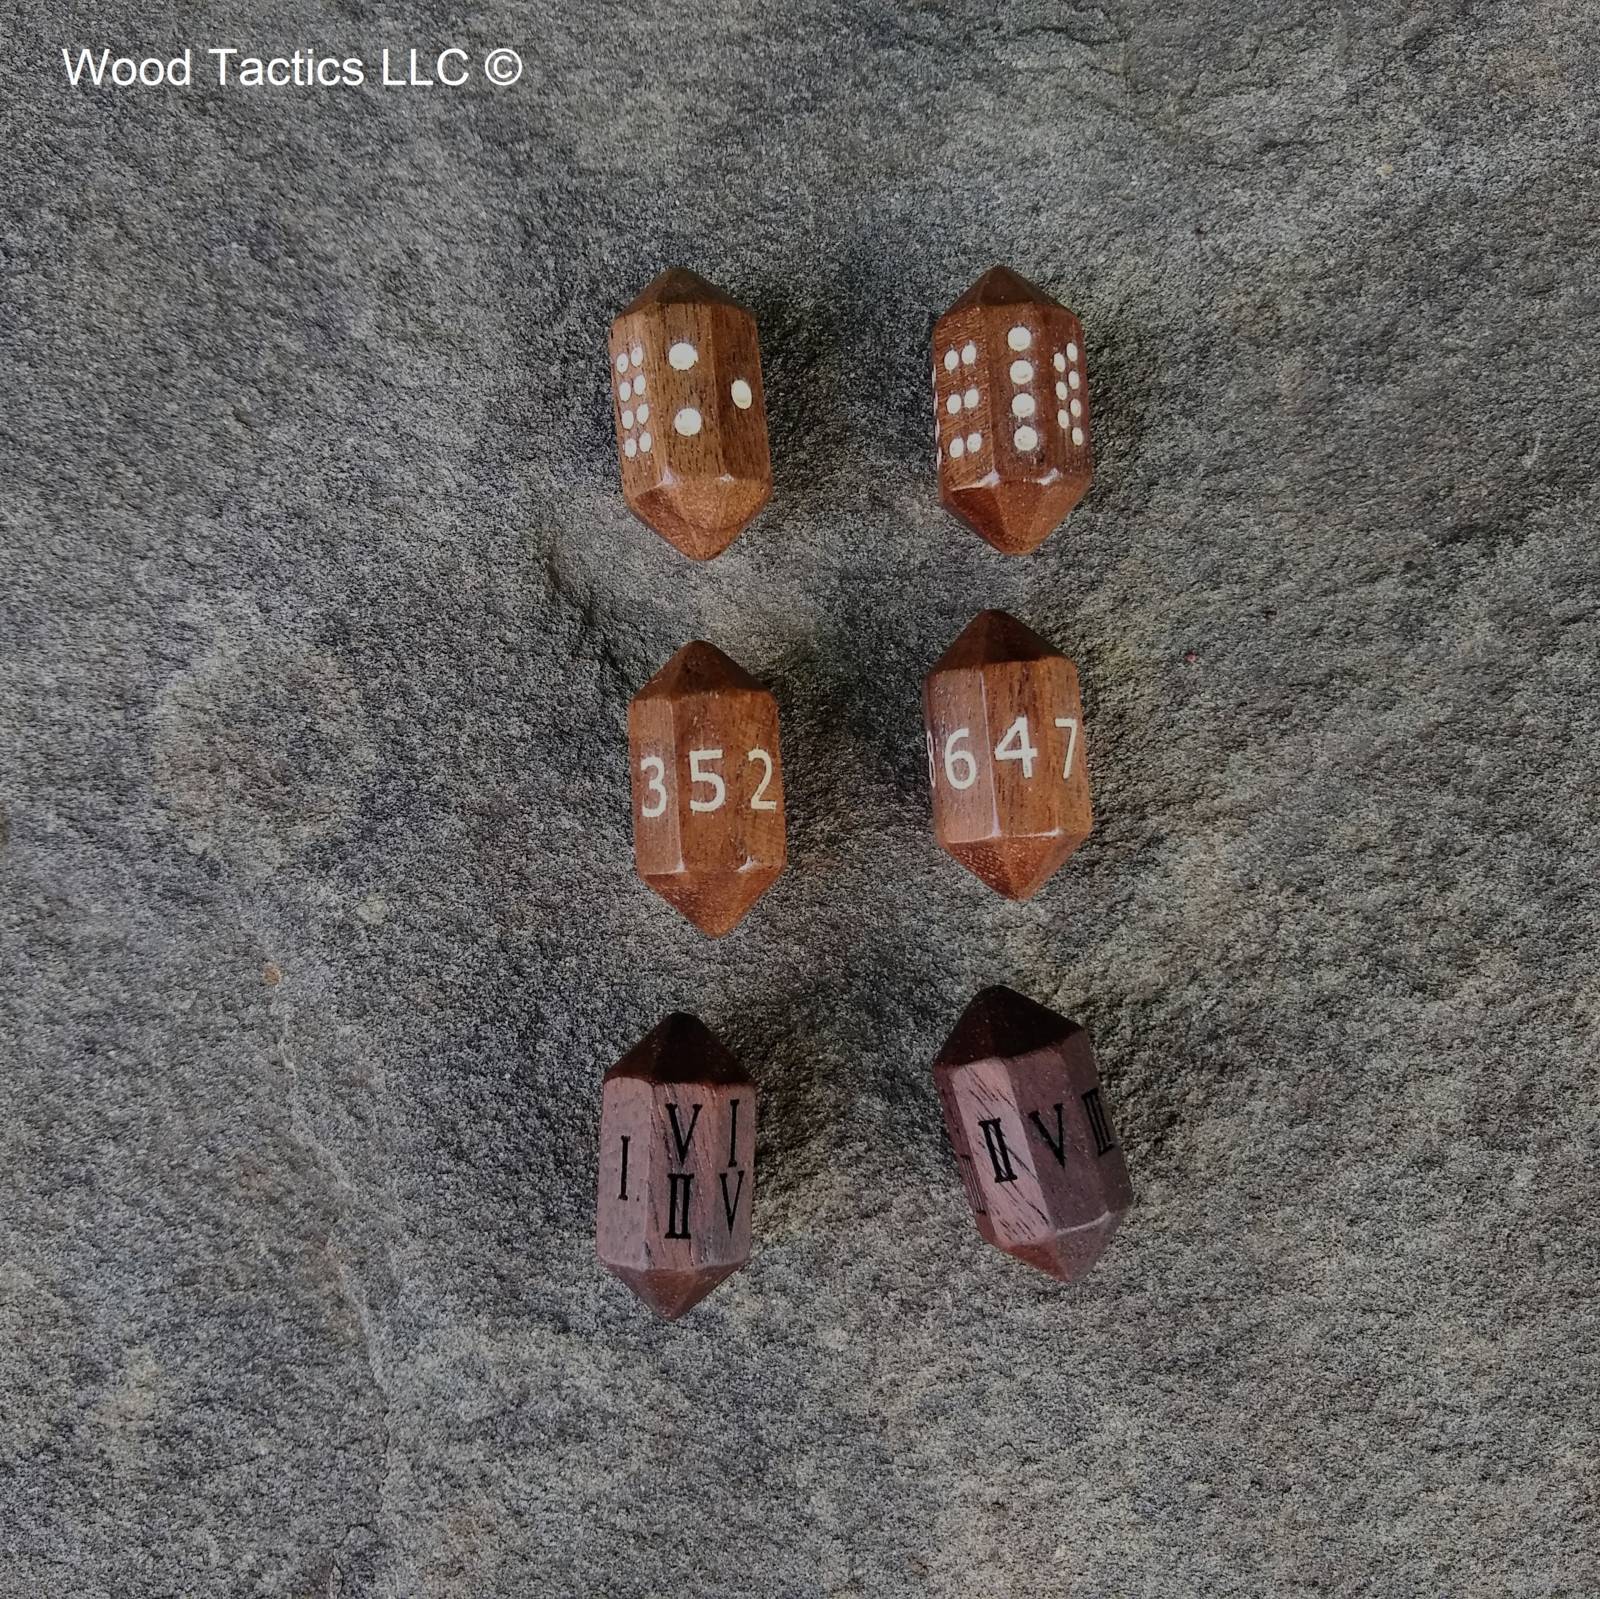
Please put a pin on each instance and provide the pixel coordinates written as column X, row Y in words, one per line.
column 1011, row 411
column 690, row 413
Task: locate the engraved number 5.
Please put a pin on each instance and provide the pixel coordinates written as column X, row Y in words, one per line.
column 698, row 774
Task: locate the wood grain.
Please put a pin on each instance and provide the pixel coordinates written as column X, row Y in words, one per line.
column 707, row 771
column 1011, row 411
column 1006, row 756
column 1032, row 1135
column 677, row 1166
column 690, row 412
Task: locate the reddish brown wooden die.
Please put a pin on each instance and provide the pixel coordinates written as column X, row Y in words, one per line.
column 1005, row 754
column 707, row 787
column 1012, row 411
column 1032, row 1137
column 691, row 417
column 677, row 1166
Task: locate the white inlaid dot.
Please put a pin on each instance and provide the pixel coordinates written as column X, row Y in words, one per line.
column 1061, row 362
column 950, row 359
column 1022, row 405
column 1025, row 439
column 630, row 449
column 645, row 441
column 1077, row 436
column 622, row 362
column 974, row 442
column 626, row 391
column 1072, row 351
column 1022, row 372
column 638, row 384
column 1019, row 338
column 643, row 413
column 1077, row 408
column 1074, row 379
column 969, row 353
column 687, row 421
column 958, row 448
column 1061, row 391
column 742, row 397
column 971, row 399
column 638, row 355
column 627, row 419
column 682, row 356
column 1063, row 420
column 953, row 404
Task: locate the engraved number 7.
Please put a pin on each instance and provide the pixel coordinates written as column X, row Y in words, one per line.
column 1071, row 725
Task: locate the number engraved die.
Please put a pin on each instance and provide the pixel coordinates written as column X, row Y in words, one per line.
column 677, row 1166
column 1011, row 411
column 1005, row 755
column 707, row 787
column 1032, row 1137
column 690, row 413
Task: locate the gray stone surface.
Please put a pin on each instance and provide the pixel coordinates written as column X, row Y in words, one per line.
column 319, row 614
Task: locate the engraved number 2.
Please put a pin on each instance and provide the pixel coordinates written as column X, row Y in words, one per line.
column 758, row 800
column 656, row 789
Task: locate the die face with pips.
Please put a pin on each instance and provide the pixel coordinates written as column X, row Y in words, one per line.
column 676, row 1167
column 1011, row 411
column 1032, row 1134
column 707, row 780
column 690, row 413
column 1006, row 755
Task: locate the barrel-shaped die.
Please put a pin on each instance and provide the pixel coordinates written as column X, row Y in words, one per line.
column 708, row 826
column 1004, row 726
column 1011, row 411
column 677, row 1166
column 690, row 413
column 1032, row 1135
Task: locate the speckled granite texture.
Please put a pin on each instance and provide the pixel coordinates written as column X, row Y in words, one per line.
column 319, row 615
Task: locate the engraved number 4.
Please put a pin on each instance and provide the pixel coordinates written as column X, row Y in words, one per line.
column 1015, row 746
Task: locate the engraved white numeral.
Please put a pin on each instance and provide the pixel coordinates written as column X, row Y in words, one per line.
column 1015, row 746
column 963, row 757
column 1071, row 725
column 655, row 770
column 698, row 774
column 757, row 800
column 933, row 771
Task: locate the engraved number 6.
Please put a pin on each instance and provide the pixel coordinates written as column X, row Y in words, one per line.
column 953, row 756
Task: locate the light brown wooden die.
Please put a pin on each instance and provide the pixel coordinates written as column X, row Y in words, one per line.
column 691, row 417
column 1005, row 755
column 708, row 831
column 1011, row 402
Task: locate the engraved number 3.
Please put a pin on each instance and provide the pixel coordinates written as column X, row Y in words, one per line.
column 655, row 798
